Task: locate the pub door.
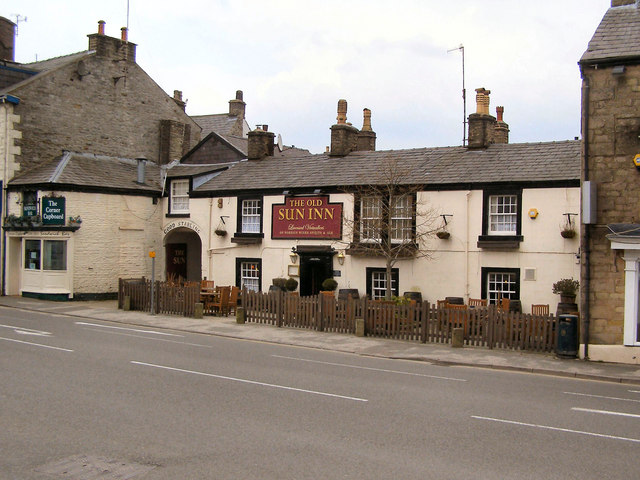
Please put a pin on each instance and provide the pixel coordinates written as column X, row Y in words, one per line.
column 315, row 268
column 176, row 261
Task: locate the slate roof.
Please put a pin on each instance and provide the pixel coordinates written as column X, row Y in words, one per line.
column 221, row 123
column 617, row 37
column 92, row 172
column 432, row 167
column 38, row 68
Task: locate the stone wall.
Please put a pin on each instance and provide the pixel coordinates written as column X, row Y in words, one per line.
column 613, row 137
column 8, row 143
column 113, row 108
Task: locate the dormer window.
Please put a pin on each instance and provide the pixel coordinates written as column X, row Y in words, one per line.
column 179, row 200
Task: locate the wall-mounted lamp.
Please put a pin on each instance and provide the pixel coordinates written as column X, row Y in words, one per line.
column 293, row 256
column 341, row 258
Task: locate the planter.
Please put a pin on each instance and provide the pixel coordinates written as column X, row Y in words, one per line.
column 568, row 233
column 443, row 235
column 564, row 298
column 220, row 233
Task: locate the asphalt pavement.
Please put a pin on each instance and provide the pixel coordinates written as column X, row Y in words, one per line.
column 529, row 362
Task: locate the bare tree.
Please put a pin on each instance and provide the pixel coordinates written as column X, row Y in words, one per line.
column 389, row 219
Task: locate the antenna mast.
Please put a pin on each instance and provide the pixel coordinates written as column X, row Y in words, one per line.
column 19, row 18
column 464, row 97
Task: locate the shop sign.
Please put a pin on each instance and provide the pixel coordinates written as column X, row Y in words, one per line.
column 181, row 223
column 307, row 217
column 53, row 210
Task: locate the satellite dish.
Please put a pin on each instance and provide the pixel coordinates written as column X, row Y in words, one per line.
column 279, row 142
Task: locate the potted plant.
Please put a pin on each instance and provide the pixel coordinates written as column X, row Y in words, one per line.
column 329, row 286
column 279, row 284
column 568, row 232
column 291, row 284
column 442, row 234
column 567, row 288
column 220, row 232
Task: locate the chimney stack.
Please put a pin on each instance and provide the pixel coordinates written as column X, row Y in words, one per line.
column 481, row 124
column 619, row 3
column 261, row 143
column 344, row 137
column 177, row 97
column 501, row 129
column 366, row 136
column 112, row 48
column 7, row 40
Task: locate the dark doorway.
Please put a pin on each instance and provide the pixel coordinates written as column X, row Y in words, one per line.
column 177, row 261
column 315, row 268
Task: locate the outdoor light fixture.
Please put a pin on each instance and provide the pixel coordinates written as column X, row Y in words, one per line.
column 341, row 258
column 293, row 256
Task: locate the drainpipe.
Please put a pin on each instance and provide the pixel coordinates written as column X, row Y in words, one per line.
column 466, row 248
column 586, row 241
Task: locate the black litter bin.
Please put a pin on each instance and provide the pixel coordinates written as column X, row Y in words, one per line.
column 567, row 336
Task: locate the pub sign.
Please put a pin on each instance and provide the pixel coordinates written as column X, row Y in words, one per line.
column 306, row 218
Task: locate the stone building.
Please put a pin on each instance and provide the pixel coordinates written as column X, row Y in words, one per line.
column 72, row 129
column 610, row 69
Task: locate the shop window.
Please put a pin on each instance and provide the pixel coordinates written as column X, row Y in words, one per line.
column 249, row 273
column 501, row 219
column 499, row 283
column 377, row 282
column 179, row 200
column 48, row 254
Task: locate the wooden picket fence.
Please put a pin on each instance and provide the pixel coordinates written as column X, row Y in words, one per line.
column 170, row 298
column 421, row 322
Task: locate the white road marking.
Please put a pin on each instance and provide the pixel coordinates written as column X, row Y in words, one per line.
column 36, row 344
column 252, row 382
column 149, row 338
column 558, row 429
column 26, row 331
column 605, row 412
column 128, row 329
column 634, row 391
column 602, row 396
column 371, row 368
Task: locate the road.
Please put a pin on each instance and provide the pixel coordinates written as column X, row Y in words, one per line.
column 83, row 399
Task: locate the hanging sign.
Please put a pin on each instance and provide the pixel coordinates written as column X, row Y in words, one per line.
column 307, row 217
column 53, row 210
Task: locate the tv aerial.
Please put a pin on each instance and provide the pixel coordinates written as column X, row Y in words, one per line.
column 464, row 96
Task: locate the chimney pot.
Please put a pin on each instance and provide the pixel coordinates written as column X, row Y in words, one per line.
column 124, row 36
column 499, row 113
column 101, row 27
column 342, row 112
column 238, row 94
column 142, row 162
column 482, row 101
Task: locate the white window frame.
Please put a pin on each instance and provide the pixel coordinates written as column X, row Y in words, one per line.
column 180, row 196
column 401, row 219
column 502, row 217
column 251, row 212
column 45, row 262
column 631, row 331
column 250, row 275
column 510, row 279
column 370, row 218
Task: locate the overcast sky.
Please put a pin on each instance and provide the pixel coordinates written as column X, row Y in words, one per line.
column 295, row 59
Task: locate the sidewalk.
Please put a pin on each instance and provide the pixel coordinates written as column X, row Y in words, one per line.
column 432, row 353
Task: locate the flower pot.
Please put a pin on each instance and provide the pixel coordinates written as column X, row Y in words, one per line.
column 443, row 235
column 220, row 233
column 568, row 233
